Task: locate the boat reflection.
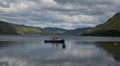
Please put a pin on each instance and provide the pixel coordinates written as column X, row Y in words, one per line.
column 57, row 42
column 63, row 45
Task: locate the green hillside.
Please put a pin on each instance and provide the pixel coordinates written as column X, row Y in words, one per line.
column 9, row 28
column 6, row 28
column 110, row 28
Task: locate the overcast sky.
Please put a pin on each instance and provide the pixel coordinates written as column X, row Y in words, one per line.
column 66, row 14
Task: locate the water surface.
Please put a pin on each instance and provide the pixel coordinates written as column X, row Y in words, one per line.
column 77, row 51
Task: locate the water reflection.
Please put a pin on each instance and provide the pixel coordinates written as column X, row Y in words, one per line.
column 5, row 44
column 62, row 45
column 77, row 53
column 113, row 48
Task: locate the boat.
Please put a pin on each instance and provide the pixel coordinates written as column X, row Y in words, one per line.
column 55, row 41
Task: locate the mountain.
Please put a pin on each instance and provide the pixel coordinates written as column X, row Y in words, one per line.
column 55, row 30
column 10, row 28
column 76, row 31
column 60, row 31
column 110, row 28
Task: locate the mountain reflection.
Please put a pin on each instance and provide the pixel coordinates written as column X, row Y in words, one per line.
column 112, row 48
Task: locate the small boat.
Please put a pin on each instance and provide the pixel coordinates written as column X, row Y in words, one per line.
column 55, row 41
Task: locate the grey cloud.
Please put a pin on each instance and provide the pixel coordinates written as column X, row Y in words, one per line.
column 67, row 14
column 88, row 2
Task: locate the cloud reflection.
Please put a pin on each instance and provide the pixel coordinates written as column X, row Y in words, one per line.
column 35, row 53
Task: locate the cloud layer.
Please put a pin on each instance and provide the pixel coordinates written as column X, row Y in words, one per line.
column 66, row 14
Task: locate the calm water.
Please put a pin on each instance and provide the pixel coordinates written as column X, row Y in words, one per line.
column 77, row 51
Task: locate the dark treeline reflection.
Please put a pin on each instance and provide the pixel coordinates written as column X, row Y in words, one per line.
column 112, row 48
column 6, row 43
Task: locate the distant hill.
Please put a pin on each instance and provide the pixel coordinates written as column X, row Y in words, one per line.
column 14, row 29
column 55, row 30
column 76, row 31
column 60, row 31
column 110, row 28
column 10, row 28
